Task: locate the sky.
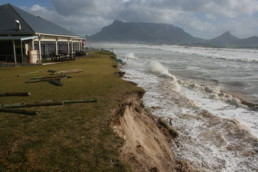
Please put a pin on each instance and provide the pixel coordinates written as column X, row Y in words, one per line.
column 201, row 18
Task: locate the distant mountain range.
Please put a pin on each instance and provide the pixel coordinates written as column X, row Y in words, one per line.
column 152, row 33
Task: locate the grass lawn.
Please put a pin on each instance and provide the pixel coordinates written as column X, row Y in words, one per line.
column 74, row 137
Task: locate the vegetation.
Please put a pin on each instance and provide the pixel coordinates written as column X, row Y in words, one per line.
column 74, row 137
column 171, row 130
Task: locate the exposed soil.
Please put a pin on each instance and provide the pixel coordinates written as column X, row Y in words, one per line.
column 147, row 144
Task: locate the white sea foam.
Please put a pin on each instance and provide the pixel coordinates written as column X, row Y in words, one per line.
column 217, row 132
column 157, row 68
column 243, row 55
column 131, row 56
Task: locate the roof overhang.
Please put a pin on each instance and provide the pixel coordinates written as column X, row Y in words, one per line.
column 22, row 38
column 57, row 35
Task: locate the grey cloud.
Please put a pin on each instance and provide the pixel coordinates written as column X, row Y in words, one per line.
column 92, row 15
column 105, row 8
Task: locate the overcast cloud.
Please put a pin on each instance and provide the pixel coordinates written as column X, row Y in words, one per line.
column 201, row 18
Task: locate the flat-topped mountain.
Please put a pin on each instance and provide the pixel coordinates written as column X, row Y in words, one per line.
column 120, row 31
column 153, row 33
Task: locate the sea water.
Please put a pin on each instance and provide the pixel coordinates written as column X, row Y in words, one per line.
column 200, row 90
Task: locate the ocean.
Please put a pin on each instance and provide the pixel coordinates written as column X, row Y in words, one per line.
column 201, row 92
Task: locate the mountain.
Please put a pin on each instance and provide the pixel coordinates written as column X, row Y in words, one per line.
column 251, row 42
column 226, row 39
column 229, row 40
column 120, row 31
column 152, row 33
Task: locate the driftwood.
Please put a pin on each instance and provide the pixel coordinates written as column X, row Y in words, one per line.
column 47, row 78
column 15, row 94
column 79, row 101
column 33, row 104
column 46, row 103
column 53, row 72
column 56, row 82
column 19, row 111
column 52, row 77
column 27, row 73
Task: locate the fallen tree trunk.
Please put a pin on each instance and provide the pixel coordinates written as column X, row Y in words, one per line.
column 15, row 94
column 19, row 111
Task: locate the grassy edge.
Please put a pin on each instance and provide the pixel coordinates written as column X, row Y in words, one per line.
column 25, row 139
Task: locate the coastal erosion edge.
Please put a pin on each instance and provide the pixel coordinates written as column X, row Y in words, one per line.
column 147, row 143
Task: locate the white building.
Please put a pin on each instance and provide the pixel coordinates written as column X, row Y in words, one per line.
column 28, row 38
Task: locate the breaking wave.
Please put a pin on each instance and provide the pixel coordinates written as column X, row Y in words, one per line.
column 213, row 93
column 157, row 68
column 217, row 132
column 245, row 56
column 244, row 60
column 131, row 56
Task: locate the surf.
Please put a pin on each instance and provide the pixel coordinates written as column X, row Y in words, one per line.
column 218, row 132
column 159, row 69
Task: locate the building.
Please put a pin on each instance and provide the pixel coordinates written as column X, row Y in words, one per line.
column 28, row 38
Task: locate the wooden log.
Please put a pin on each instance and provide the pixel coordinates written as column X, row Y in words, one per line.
column 41, row 80
column 51, row 77
column 56, row 82
column 46, row 103
column 52, row 71
column 68, row 71
column 37, row 80
column 27, row 73
column 19, row 111
column 15, row 94
column 79, row 101
column 33, row 104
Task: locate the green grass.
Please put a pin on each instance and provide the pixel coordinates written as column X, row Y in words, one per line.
column 76, row 137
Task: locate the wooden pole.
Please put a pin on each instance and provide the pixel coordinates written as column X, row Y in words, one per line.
column 19, row 111
column 46, row 103
column 33, row 104
column 57, row 46
column 68, row 71
column 72, row 48
column 22, row 60
column 40, row 53
column 79, row 101
column 68, row 47
column 56, row 82
column 52, row 77
column 14, row 52
column 15, row 94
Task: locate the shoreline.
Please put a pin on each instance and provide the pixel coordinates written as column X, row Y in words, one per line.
column 250, row 101
column 80, row 137
column 146, row 136
column 218, row 135
column 236, row 127
column 147, row 140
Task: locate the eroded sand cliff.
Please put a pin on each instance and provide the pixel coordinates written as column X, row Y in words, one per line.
column 147, row 144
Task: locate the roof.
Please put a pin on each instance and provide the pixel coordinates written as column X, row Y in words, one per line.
column 22, row 38
column 30, row 24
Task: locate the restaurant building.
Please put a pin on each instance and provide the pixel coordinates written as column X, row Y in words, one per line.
column 25, row 38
